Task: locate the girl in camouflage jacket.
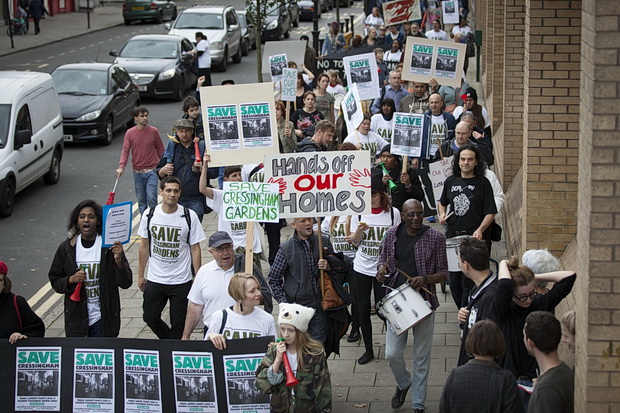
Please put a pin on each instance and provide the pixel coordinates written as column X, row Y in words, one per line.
column 308, row 363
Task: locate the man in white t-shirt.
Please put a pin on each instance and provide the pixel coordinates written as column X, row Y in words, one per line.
column 203, row 54
column 437, row 33
column 437, row 128
column 171, row 236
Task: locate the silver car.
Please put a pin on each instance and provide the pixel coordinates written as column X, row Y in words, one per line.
column 219, row 24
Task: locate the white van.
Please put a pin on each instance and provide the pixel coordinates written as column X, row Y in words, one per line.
column 31, row 142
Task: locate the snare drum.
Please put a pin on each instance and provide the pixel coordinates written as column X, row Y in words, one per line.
column 452, row 251
column 403, row 308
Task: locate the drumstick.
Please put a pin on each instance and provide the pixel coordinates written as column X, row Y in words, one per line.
column 411, row 278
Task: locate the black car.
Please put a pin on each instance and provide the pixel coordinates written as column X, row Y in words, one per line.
column 306, row 10
column 277, row 24
column 95, row 100
column 160, row 64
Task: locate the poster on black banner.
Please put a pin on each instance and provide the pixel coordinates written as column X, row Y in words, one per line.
column 93, row 381
column 142, row 381
column 407, row 134
column 194, row 382
column 427, row 59
column 37, row 379
column 223, row 129
column 362, row 70
column 241, row 390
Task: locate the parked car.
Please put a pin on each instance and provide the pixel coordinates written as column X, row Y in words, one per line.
column 95, row 99
column 248, row 33
column 277, row 24
column 31, row 143
column 219, row 24
column 306, row 10
column 157, row 10
column 159, row 64
column 293, row 11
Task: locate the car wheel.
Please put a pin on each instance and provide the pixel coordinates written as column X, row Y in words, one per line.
column 7, row 200
column 127, row 22
column 296, row 22
column 109, row 132
column 224, row 65
column 53, row 175
column 174, row 14
column 237, row 56
column 180, row 91
column 287, row 34
column 245, row 50
column 160, row 18
column 254, row 44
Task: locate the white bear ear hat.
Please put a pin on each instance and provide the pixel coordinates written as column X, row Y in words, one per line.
column 296, row 315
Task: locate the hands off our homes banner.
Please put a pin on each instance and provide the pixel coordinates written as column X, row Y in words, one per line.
column 362, row 70
column 131, row 375
column 427, row 59
column 321, row 183
column 239, row 123
column 276, row 64
column 251, row 202
column 401, row 11
column 352, row 108
column 407, row 134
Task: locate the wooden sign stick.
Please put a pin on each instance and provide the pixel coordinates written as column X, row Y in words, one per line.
column 249, row 248
column 405, row 165
column 288, row 111
column 320, row 236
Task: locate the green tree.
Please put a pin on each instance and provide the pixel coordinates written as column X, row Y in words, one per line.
column 256, row 13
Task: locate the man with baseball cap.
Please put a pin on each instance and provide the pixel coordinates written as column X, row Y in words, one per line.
column 209, row 293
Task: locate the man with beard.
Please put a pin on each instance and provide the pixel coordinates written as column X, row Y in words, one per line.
column 417, row 102
column 420, row 251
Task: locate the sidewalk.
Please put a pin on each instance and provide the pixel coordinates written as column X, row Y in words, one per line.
column 64, row 26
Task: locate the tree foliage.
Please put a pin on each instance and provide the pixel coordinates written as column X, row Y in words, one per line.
column 256, row 12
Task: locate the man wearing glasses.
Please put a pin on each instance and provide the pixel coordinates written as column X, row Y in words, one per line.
column 420, row 252
column 381, row 34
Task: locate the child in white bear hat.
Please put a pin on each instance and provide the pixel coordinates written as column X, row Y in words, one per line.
column 308, row 363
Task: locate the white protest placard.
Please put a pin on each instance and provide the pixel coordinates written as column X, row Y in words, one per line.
column 289, row 85
column 362, row 70
column 438, row 173
column 250, row 202
column 401, row 11
column 450, row 11
column 352, row 108
column 321, row 183
column 116, row 223
column 276, row 64
column 295, row 51
column 239, row 123
column 407, row 134
column 427, row 59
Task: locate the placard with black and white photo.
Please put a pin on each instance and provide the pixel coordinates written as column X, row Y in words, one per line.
column 363, row 71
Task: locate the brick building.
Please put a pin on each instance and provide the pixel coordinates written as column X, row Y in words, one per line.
column 551, row 77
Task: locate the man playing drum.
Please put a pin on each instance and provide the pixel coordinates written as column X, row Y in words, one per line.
column 469, row 197
column 415, row 254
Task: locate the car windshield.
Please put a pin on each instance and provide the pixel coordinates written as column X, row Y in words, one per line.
column 5, row 110
column 199, row 21
column 150, row 49
column 81, row 82
column 273, row 12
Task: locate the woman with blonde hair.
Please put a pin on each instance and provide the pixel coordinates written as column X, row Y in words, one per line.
column 244, row 319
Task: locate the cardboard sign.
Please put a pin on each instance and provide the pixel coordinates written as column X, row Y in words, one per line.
column 116, row 223
column 401, row 11
column 239, row 122
column 276, row 64
column 438, row 172
column 352, row 108
column 427, row 59
column 407, row 134
column 295, row 50
column 450, row 11
column 362, row 70
column 132, row 375
column 289, row 85
column 250, row 202
column 321, row 183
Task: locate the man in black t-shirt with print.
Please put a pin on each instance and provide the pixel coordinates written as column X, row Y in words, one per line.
column 466, row 207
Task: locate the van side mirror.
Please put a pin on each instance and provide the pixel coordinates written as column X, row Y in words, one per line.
column 113, row 53
column 22, row 138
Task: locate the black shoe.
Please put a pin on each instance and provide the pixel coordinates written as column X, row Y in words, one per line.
column 419, row 411
column 366, row 357
column 354, row 336
column 399, row 397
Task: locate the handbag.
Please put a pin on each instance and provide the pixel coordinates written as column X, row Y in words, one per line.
column 496, row 232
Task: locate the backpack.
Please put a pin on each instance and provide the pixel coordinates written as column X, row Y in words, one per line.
column 471, row 45
column 186, row 215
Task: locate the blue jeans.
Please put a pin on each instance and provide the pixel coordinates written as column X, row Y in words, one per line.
column 96, row 330
column 146, row 190
column 220, row 178
column 422, row 344
column 195, row 204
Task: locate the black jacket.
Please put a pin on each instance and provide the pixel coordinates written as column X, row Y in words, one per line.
column 76, row 313
column 308, row 145
column 400, row 194
column 31, row 324
column 239, row 266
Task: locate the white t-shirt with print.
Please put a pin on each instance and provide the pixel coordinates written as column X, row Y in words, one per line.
column 367, row 256
column 236, row 230
column 437, row 133
column 258, row 323
column 210, row 289
column 204, row 60
column 91, row 259
column 440, row 35
column 371, row 142
column 338, row 234
column 170, row 262
column 382, row 127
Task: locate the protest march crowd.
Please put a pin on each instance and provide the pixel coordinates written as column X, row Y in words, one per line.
column 336, row 272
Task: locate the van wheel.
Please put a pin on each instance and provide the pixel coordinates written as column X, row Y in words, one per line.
column 7, row 197
column 237, row 56
column 53, row 175
column 160, row 18
column 109, row 132
column 224, row 65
